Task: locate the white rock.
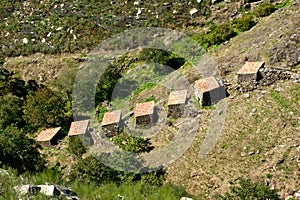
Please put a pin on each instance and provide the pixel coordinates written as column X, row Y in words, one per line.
column 43, row 40
column 185, row 198
column 138, row 13
column 74, row 37
column 25, row 41
column 49, row 34
column 199, row 1
column 136, row 3
column 246, row 95
column 193, row 11
column 59, row 28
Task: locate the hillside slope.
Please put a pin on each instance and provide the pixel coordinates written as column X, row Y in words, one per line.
column 262, row 129
column 261, row 136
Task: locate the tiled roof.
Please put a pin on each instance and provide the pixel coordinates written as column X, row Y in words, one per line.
column 207, row 84
column 47, row 134
column 177, row 97
column 251, row 67
column 142, row 109
column 111, row 117
column 78, row 127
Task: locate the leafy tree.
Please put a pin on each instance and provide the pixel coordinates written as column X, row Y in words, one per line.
column 161, row 56
column 250, row 191
column 10, row 111
column 19, row 152
column 11, row 85
column 76, row 146
column 107, row 83
column 44, row 108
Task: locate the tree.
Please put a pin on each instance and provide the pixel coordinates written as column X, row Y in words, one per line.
column 11, row 85
column 251, row 191
column 10, row 111
column 44, row 108
column 19, row 152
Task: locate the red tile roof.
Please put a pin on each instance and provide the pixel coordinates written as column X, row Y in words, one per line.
column 47, row 134
column 251, row 67
column 78, row 127
column 142, row 109
column 177, row 97
column 113, row 117
column 207, row 84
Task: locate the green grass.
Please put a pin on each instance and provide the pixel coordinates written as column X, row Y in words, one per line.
column 131, row 191
column 282, row 102
column 89, row 190
column 146, row 86
column 282, row 4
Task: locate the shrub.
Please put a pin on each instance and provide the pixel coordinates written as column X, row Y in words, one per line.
column 250, row 191
column 132, row 143
column 264, row 9
column 100, row 111
column 244, row 24
column 76, row 146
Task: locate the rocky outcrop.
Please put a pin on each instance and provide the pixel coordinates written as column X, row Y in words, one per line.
column 49, row 190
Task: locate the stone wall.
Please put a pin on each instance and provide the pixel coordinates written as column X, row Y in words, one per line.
column 110, row 130
column 144, row 121
column 175, row 110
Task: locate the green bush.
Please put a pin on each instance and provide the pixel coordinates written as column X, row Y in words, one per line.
column 100, row 111
column 217, row 35
column 264, row 9
column 132, row 143
column 244, row 24
column 76, row 146
column 250, row 191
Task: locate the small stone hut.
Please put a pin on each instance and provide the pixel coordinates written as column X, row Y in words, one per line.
column 176, row 103
column 48, row 137
column 209, row 90
column 144, row 114
column 111, row 122
column 79, row 128
column 249, row 72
